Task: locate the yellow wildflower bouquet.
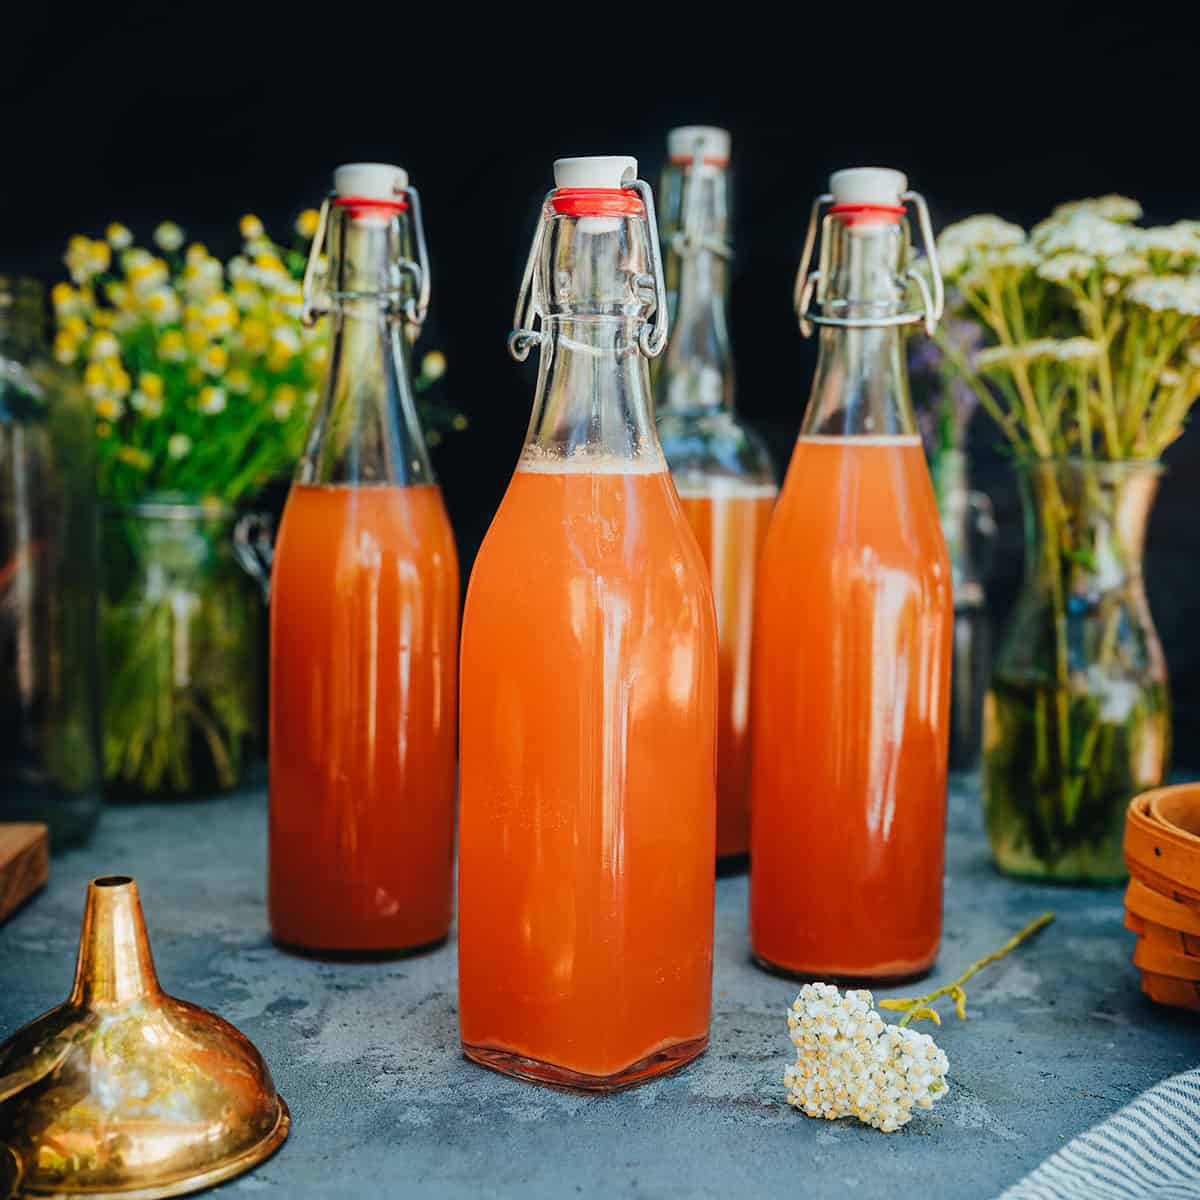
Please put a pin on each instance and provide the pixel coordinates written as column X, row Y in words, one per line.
column 200, row 373
column 202, row 380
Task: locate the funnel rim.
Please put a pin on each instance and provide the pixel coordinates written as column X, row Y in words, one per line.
column 183, row 1185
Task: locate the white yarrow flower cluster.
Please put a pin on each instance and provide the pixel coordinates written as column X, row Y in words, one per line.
column 985, row 232
column 981, row 243
column 1081, row 233
column 850, row 1062
column 1174, row 242
column 1064, row 267
column 1167, row 293
column 1111, row 207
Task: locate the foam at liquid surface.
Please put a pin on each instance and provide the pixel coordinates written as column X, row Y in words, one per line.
column 862, row 439
column 718, row 488
column 536, row 460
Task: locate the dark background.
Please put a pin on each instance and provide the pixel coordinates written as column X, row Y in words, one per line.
column 201, row 112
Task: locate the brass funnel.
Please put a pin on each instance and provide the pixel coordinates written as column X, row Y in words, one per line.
column 124, row 1091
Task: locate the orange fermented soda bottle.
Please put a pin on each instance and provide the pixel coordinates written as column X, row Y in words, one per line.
column 853, row 628
column 364, row 612
column 588, row 691
column 720, row 466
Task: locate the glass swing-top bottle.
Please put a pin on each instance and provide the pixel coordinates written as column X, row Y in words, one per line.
column 589, row 659
column 853, row 625
column 364, row 610
column 721, row 468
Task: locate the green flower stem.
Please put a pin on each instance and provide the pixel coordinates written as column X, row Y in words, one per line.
column 1006, row 421
column 921, row 1007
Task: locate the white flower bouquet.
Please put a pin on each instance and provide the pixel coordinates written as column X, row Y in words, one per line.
column 1089, row 365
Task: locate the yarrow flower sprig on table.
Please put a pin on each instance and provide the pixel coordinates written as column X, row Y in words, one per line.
column 852, row 1063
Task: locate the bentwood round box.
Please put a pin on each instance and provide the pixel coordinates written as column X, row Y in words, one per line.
column 1162, row 901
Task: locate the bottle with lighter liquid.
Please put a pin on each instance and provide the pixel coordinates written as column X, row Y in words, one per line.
column 853, row 625
column 364, row 610
column 589, row 684
column 721, row 468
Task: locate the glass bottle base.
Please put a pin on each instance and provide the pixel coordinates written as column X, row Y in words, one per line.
column 654, row 1066
column 1085, row 867
column 883, row 977
column 341, row 954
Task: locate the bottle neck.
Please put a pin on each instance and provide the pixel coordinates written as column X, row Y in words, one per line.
column 860, row 388
column 697, row 373
column 593, row 400
column 366, row 430
column 593, row 404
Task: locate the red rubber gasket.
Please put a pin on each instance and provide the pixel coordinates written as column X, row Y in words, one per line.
column 868, row 214
column 365, row 204
column 597, row 202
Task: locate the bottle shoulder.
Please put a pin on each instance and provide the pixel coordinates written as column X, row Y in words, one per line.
column 715, row 444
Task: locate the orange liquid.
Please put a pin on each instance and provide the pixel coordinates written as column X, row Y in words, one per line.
column 589, row 681
column 731, row 524
column 364, row 624
column 850, row 709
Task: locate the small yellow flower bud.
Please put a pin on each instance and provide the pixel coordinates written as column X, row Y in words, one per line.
column 172, row 347
column 101, row 257
column 168, row 236
column 119, row 381
column 64, row 298
column 255, row 335
column 283, row 401
column 238, row 381
column 250, row 227
column 134, row 457
column 306, row 223
column 214, row 360
column 66, row 348
column 104, row 345
column 211, row 401
column 433, row 365
column 119, row 237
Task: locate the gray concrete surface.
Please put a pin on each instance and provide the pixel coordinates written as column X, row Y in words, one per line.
column 367, row 1056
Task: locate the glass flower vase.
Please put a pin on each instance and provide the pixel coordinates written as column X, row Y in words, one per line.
column 1078, row 716
column 180, row 627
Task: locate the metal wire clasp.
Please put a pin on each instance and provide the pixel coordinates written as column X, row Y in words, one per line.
column 811, row 283
column 414, row 299
column 530, row 313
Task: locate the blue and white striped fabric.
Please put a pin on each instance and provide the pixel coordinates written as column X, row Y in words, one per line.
column 1151, row 1148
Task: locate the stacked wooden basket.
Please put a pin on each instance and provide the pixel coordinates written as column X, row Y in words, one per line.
column 1162, row 902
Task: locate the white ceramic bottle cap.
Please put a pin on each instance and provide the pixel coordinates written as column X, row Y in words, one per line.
column 602, row 171
column 714, row 143
column 868, row 185
column 370, row 181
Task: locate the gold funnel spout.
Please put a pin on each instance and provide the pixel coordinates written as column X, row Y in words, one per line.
column 123, row 1091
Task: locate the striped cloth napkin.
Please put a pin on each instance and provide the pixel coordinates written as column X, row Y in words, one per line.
column 1150, row 1148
